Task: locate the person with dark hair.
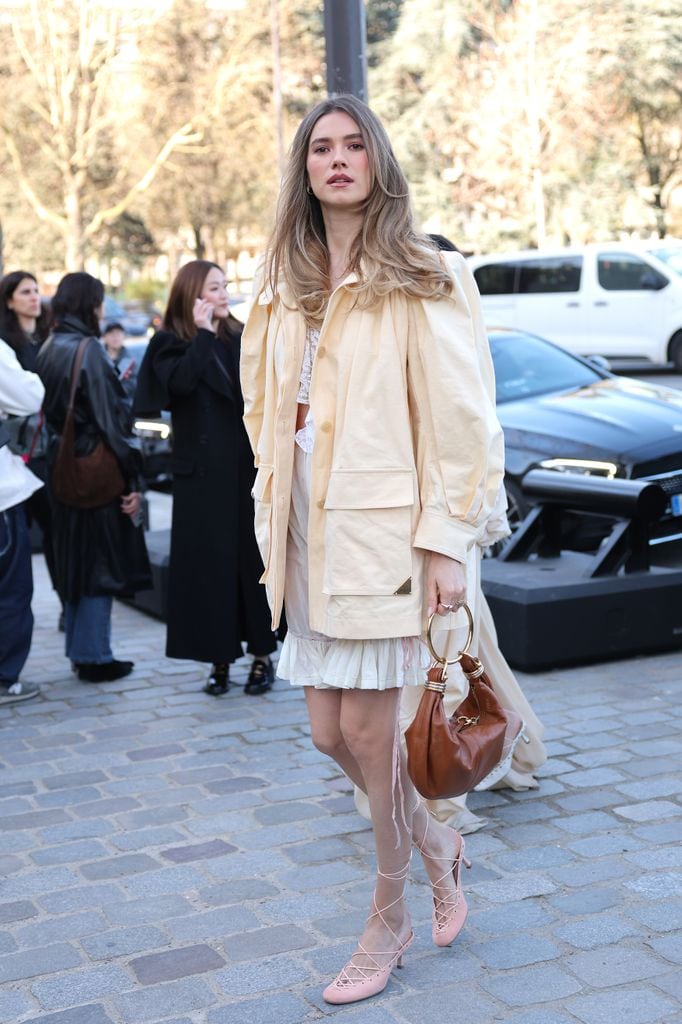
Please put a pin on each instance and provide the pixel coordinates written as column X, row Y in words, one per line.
column 443, row 243
column 100, row 552
column 370, row 407
column 23, row 319
column 191, row 367
column 24, row 327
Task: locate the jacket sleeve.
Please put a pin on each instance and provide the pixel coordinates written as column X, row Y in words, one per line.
column 110, row 411
column 21, row 392
column 252, row 365
column 458, row 438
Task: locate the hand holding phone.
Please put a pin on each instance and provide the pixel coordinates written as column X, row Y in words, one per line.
column 203, row 314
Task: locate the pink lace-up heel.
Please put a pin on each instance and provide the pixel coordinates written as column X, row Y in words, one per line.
column 367, row 972
column 449, row 911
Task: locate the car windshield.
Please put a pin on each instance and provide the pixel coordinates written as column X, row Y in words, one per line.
column 671, row 255
column 527, row 366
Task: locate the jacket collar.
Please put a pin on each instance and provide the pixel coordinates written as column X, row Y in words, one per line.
column 71, row 324
column 284, row 291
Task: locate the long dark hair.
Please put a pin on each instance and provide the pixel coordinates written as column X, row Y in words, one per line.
column 10, row 329
column 78, row 295
column 185, row 290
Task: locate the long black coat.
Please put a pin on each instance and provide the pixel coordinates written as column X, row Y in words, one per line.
column 98, row 551
column 215, row 600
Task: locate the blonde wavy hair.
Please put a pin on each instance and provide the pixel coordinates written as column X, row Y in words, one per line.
column 387, row 253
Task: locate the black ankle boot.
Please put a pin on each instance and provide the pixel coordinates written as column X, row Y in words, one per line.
column 261, row 677
column 218, row 681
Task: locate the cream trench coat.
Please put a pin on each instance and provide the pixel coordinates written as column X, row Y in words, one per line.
column 408, row 453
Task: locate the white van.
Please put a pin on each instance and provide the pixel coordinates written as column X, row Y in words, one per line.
column 614, row 299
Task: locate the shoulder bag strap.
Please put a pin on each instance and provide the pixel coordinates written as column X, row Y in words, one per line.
column 75, row 373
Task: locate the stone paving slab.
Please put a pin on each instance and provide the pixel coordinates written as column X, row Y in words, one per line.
column 170, row 858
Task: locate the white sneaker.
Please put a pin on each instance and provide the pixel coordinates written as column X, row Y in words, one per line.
column 17, row 692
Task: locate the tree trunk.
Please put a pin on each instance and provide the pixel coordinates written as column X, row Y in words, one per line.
column 277, row 85
column 535, row 128
column 199, row 248
column 539, row 204
column 74, row 241
column 659, row 212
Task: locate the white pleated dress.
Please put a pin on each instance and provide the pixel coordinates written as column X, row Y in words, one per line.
column 309, row 658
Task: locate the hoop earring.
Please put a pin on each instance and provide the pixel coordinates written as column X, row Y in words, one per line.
column 309, row 190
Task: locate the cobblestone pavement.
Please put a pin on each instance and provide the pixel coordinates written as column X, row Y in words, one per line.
column 171, row 857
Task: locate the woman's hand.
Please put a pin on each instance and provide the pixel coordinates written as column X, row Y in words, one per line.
column 131, row 503
column 446, row 584
column 203, row 314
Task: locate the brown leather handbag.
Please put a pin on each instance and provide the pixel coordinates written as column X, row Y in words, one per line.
column 84, row 481
column 447, row 757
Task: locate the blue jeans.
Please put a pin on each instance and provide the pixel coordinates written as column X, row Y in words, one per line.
column 16, row 591
column 87, row 624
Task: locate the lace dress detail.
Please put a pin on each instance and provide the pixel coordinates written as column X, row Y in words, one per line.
column 305, row 437
column 312, row 340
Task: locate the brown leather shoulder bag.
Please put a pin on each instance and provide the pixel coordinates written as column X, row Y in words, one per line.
column 447, row 757
column 84, row 481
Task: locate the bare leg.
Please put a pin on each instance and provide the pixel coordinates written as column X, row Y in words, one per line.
column 433, row 838
column 359, row 729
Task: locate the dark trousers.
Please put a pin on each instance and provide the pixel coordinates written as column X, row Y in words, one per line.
column 16, row 591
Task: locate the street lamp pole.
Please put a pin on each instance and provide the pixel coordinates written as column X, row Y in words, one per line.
column 346, row 42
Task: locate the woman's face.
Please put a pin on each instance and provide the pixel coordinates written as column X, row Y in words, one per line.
column 25, row 299
column 337, row 164
column 215, row 292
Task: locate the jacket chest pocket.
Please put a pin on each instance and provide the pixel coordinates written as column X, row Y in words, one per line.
column 262, row 501
column 368, row 531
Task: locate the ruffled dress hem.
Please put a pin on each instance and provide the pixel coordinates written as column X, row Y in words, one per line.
column 352, row 664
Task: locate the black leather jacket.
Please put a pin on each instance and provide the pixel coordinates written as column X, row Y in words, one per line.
column 100, row 408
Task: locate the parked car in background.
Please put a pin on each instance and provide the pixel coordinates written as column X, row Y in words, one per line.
column 619, row 300
column 564, row 413
column 132, row 323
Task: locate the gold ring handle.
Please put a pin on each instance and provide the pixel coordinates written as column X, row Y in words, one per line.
column 465, row 650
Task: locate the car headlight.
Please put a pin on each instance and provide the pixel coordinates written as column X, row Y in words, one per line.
column 152, row 428
column 585, row 467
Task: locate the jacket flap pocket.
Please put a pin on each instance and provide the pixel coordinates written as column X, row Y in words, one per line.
column 261, row 485
column 370, row 488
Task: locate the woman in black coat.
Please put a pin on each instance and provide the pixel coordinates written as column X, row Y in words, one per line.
column 99, row 552
column 192, row 368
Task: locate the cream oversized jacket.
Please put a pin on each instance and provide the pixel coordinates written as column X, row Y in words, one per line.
column 408, row 453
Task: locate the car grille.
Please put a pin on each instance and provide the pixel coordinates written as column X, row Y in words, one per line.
column 671, row 483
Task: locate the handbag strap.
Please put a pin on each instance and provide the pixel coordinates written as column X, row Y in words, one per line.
column 75, row 373
column 36, row 434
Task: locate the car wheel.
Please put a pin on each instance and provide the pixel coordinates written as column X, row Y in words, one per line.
column 675, row 351
column 518, row 505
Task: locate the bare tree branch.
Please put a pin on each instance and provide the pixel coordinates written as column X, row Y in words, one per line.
column 43, row 212
column 186, row 134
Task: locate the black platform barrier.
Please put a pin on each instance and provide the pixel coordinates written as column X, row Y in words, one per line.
column 155, row 601
column 555, row 607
